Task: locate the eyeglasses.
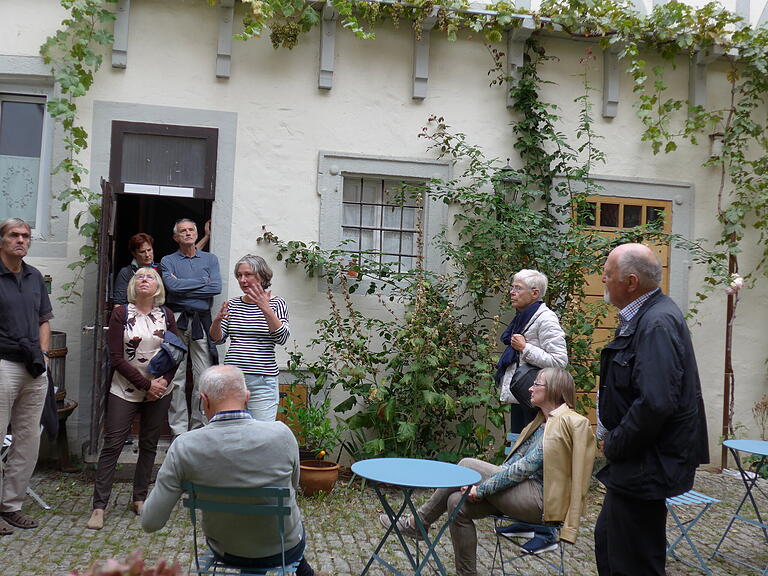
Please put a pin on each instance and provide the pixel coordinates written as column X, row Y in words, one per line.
column 539, row 384
column 517, row 289
column 145, row 277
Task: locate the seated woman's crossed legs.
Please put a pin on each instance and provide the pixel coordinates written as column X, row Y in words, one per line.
column 522, row 502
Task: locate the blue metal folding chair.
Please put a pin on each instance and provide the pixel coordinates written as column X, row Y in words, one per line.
column 265, row 501
column 554, row 561
column 690, row 498
column 520, row 554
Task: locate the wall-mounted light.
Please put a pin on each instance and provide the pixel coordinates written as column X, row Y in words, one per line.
column 507, row 182
column 716, row 144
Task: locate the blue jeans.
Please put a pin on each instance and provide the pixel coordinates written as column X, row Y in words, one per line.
column 265, row 395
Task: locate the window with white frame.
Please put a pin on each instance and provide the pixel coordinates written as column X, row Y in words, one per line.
column 374, row 207
column 23, row 170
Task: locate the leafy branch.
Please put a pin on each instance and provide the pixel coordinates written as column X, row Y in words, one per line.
column 72, row 53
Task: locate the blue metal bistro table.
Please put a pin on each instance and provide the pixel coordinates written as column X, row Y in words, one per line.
column 759, row 448
column 409, row 474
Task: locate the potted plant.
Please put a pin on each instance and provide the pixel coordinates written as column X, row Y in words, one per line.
column 317, row 436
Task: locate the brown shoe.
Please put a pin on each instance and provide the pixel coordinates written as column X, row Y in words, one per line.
column 19, row 519
column 406, row 524
column 5, row 528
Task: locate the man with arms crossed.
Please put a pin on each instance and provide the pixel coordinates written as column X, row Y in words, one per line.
column 191, row 279
column 651, row 405
column 25, row 334
column 233, row 451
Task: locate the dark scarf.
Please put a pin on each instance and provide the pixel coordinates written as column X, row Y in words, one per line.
column 24, row 351
column 517, row 326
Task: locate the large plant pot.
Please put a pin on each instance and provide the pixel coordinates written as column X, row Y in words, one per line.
column 318, row 476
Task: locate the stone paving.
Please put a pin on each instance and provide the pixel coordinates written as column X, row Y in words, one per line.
column 342, row 531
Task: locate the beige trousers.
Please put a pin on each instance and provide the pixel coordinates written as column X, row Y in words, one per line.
column 200, row 356
column 21, row 403
column 523, row 502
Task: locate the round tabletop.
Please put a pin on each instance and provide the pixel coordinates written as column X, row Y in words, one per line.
column 415, row 473
column 759, row 447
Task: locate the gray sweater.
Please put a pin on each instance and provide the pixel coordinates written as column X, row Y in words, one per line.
column 231, row 453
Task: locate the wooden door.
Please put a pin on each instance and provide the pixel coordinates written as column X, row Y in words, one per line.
column 609, row 215
column 101, row 366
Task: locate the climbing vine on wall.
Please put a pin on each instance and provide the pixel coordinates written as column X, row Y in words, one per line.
column 672, row 31
column 75, row 55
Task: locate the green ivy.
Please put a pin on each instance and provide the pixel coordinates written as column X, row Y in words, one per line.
column 74, row 55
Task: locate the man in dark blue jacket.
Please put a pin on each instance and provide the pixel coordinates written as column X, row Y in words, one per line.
column 651, row 405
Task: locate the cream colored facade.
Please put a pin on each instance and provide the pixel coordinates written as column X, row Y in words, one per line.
column 275, row 123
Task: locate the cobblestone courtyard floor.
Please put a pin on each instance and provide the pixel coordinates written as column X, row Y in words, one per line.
column 342, row 532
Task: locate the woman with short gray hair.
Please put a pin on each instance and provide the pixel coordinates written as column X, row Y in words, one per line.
column 534, row 338
column 254, row 324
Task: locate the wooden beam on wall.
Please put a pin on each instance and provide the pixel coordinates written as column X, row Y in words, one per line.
column 421, row 56
column 611, row 82
column 226, row 30
column 120, row 41
column 516, row 38
column 697, row 74
column 743, row 9
column 327, row 47
column 763, row 16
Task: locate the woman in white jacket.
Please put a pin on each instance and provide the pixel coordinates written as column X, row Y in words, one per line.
column 534, row 337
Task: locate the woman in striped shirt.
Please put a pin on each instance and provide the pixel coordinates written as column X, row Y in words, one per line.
column 254, row 323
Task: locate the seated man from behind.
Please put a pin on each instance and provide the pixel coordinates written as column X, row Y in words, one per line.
column 233, row 451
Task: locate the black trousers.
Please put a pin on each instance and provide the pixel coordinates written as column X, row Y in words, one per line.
column 117, row 427
column 291, row 555
column 631, row 536
column 520, row 416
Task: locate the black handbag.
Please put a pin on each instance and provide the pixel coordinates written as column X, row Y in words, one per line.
column 521, row 382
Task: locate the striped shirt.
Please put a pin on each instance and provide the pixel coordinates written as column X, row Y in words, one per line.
column 252, row 345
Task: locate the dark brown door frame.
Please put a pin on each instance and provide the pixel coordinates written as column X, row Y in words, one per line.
column 121, row 127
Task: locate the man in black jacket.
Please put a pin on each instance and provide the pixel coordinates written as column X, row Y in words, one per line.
column 651, row 405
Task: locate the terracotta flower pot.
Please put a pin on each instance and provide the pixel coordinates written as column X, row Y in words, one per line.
column 318, row 476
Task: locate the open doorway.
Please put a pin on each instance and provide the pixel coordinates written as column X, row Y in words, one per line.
column 156, row 216
column 158, row 173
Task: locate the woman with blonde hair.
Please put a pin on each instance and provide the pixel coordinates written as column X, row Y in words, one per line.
column 135, row 336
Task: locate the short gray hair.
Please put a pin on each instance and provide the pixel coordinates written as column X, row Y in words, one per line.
column 533, row 279
column 259, row 267
column 180, row 220
column 636, row 261
column 222, row 381
column 13, row 223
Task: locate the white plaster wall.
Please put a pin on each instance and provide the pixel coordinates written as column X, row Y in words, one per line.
column 283, row 120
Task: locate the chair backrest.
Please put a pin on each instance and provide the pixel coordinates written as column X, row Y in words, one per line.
column 511, row 439
column 263, row 501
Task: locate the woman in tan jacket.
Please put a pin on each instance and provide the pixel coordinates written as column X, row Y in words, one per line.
column 544, row 479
